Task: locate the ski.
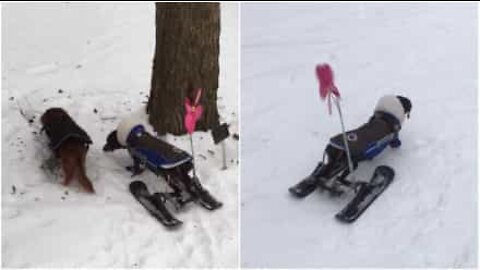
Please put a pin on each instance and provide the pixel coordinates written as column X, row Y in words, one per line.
column 154, row 204
column 321, row 178
column 207, row 201
column 367, row 193
column 304, row 187
column 202, row 196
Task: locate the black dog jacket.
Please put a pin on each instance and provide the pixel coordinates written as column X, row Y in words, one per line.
column 62, row 129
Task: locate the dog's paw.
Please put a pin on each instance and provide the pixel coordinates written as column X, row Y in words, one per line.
column 135, row 171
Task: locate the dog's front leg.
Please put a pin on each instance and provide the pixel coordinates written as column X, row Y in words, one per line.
column 137, row 168
column 68, row 167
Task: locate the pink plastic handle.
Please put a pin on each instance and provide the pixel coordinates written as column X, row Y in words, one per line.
column 326, row 80
column 327, row 86
column 193, row 112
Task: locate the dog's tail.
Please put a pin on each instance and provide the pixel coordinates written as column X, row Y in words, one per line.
column 82, row 176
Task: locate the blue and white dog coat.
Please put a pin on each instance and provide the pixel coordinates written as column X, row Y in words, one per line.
column 369, row 140
column 149, row 150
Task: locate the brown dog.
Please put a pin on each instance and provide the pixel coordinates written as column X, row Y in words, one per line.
column 70, row 145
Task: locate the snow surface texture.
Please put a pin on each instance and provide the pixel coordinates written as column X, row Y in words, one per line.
column 95, row 61
column 427, row 52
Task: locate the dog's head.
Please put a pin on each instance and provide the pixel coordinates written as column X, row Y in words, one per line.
column 406, row 104
column 53, row 115
column 397, row 106
column 112, row 142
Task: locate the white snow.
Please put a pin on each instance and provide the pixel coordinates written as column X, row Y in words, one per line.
column 427, row 51
column 100, row 56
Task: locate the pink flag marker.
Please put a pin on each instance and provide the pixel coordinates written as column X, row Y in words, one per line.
column 327, row 86
column 193, row 111
column 328, row 89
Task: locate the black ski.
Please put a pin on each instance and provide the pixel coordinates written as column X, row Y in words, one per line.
column 202, row 196
column 322, row 177
column 188, row 189
column 154, row 204
column 304, row 187
column 367, row 194
column 206, row 200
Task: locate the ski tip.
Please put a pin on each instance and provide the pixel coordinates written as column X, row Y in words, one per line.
column 345, row 219
column 137, row 185
column 385, row 170
column 304, row 188
column 293, row 192
column 173, row 224
column 215, row 206
column 296, row 193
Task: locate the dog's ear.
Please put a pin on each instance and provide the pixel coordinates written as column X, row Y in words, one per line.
column 406, row 104
column 112, row 142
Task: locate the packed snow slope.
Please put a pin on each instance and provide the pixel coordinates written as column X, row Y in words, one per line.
column 427, row 52
column 94, row 60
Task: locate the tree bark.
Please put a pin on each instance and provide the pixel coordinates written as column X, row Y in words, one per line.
column 186, row 57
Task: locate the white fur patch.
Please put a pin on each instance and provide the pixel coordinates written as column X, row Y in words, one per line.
column 392, row 105
column 125, row 126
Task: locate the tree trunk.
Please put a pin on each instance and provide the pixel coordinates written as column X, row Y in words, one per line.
column 186, row 57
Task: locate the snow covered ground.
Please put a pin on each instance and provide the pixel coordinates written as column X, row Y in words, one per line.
column 428, row 216
column 94, row 60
